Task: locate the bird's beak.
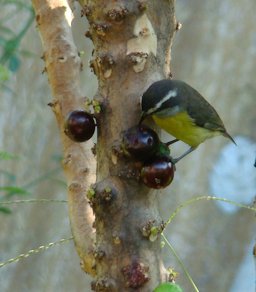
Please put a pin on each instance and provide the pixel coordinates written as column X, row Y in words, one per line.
column 143, row 116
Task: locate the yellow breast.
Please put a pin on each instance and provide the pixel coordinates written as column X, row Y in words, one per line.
column 182, row 127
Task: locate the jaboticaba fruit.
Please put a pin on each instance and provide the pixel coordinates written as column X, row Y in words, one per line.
column 79, row 126
column 141, row 142
column 158, row 173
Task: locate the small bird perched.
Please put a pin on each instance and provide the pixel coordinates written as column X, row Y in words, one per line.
column 181, row 111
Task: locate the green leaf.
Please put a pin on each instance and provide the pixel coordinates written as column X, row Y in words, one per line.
column 168, row 287
column 14, row 190
column 12, row 44
column 4, row 74
column 14, row 63
column 5, row 210
column 4, row 155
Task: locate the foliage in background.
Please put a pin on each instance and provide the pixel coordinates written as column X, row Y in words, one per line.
column 10, row 51
column 9, row 190
column 10, row 61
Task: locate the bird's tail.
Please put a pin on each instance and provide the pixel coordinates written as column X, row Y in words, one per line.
column 226, row 134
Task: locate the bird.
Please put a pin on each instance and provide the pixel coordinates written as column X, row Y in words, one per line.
column 183, row 112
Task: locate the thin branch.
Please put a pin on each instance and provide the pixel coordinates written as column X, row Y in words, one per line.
column 206, row 198
column 180, row 262
column 34, row 251
column 32, row 201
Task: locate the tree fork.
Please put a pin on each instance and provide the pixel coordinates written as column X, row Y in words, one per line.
column 132, row 41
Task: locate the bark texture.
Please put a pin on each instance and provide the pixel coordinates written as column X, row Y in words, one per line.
column 63, row 68
column 131, row 40
column 132, row 49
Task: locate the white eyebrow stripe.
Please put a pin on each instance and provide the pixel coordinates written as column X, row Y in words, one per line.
column 170, row 94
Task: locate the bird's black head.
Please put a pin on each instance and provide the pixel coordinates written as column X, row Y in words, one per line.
column 158, row 95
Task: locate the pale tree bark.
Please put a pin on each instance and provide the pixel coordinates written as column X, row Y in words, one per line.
column 132, row 42
column 63, row 68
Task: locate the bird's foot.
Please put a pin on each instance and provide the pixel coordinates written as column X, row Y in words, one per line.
column 171, row 142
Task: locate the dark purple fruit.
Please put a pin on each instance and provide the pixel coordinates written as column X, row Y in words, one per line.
column 79, row 126
column 141, row 142
column 158, row 173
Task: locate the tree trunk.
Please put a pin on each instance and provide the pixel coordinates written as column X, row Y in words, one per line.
column 132, row 42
